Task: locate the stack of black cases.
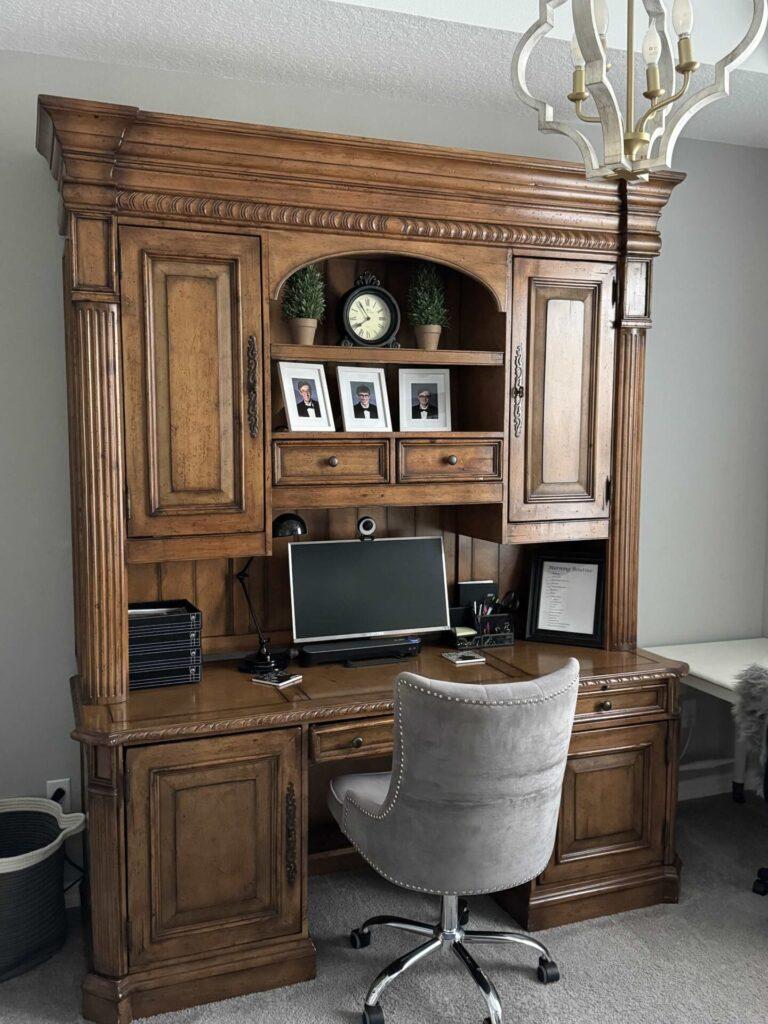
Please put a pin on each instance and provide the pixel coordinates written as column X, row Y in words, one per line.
column 164, row 644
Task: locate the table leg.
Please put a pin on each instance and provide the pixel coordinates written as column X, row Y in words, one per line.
column 739, row 767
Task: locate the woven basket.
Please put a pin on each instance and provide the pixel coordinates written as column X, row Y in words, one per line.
column 33, row 923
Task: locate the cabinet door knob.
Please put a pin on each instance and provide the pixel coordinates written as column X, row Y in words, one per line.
column 357, row 742
column 333, row 461
column 452, row 460
column 606, row 705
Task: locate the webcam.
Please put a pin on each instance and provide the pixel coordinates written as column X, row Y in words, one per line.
column 366, row 527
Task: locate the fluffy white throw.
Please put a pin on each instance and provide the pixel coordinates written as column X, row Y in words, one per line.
column 751, row 714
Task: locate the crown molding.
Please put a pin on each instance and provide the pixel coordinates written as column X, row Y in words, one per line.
column 120, row 159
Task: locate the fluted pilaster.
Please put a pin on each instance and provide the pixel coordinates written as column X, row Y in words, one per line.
column 625, row 501
column 98, row 487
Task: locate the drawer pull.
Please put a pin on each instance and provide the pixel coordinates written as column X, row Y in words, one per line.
column 606, row 705
column 357, row 742
column 452, row 460
column 333, row 462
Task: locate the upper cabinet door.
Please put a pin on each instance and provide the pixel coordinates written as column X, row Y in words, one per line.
column 191, row 313
column 562, row 390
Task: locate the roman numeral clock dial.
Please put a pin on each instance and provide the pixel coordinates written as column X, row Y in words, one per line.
column 369, row 314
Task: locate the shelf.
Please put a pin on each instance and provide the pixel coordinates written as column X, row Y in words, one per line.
column 401, row 356
column 378, row 435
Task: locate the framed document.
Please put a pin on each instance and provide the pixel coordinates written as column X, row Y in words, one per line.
column 566, row 598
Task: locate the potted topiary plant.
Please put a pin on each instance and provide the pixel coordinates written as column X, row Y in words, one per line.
column 427, row 310
column 304, row 304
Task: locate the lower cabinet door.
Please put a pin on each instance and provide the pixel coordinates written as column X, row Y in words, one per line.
column 213, row 842
column 613, row 806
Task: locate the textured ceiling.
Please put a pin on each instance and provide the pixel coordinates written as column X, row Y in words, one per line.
column 327, row 45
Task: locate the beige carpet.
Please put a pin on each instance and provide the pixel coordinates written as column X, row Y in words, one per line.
column 704, row 961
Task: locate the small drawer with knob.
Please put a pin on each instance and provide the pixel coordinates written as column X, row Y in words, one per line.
column 365, row 738
column 329, row 461
column 427, row 460
column 611, row 703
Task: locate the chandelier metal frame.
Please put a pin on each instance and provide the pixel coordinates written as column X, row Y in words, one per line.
column 632, row 146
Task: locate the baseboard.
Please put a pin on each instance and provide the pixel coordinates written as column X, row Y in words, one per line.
column 705, row 778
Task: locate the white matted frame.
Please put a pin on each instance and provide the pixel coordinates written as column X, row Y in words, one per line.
column 425, row 398
column 364, row 400
column 306, row 398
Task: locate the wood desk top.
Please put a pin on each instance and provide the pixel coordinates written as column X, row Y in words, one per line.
column 226, row 701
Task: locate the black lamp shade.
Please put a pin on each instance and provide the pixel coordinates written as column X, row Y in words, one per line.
column 288, row 524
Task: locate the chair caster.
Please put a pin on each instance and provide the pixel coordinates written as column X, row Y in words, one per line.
column 463, row 913
column 760, row 887
column 547, row 971
column 762, row 874
column 358, row 939
column 373, row 1014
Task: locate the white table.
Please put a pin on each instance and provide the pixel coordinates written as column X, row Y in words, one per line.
column 713, row 670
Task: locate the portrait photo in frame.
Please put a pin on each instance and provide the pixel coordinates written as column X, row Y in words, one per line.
column 364, row 401
column 425, row 398
column 566, row 598
column 306, row 398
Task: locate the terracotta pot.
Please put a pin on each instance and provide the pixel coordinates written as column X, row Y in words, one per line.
column 303, row 330
column 428, row 336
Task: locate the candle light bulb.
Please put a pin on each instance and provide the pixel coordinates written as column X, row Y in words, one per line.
column 578, row 57
column 652, row 45
column 602, row 16
column 682, row 17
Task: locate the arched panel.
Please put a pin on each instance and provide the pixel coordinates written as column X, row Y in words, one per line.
column 289, row 251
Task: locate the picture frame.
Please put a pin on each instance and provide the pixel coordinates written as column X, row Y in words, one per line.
column 566, row 599
column 364, row 399
column 425, row 398
column 306, row 398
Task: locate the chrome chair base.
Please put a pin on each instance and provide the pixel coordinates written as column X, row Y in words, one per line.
column 449, row 932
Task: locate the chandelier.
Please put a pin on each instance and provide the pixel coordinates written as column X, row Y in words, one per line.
column 635, row 141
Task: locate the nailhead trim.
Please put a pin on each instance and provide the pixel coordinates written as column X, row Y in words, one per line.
column 450, row 892
column 487, row 702
column 349, row 800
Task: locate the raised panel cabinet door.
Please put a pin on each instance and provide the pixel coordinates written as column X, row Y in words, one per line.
column 613, row 805
column 562, row 390
column 191, row 317
column 214, row 849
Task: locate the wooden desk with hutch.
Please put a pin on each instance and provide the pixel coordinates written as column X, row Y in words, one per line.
column 206, row 802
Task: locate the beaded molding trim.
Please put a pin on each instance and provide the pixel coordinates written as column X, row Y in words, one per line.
column 170, row 205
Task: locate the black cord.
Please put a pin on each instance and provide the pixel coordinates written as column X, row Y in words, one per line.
column 263, row 660
column 77, row 867
column 241, row 577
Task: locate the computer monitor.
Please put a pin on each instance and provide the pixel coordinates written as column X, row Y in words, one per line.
column 362, row 588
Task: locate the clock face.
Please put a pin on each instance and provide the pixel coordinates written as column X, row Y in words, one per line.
column 369, row 316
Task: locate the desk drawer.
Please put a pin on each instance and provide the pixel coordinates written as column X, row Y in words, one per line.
column 426, row 461
column 612, row 704
column 352, row 739
column 342, row 462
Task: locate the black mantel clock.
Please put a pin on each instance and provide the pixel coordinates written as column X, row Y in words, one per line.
column 369, row 314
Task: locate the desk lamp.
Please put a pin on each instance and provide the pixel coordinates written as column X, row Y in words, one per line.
column 265, row 662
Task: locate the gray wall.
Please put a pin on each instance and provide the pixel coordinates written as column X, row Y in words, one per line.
column 705, row 463
column 705, row 502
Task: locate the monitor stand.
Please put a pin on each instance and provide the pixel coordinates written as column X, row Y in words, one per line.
column 371, row 650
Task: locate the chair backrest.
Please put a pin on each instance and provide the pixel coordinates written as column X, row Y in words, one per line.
column 476, row 783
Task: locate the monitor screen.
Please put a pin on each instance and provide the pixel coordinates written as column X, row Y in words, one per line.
column 354, row 588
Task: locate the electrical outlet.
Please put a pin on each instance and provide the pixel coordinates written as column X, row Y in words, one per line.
column 53, row 784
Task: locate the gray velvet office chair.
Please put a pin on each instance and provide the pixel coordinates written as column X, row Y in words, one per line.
column 470, row 806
